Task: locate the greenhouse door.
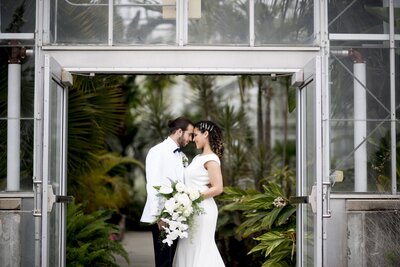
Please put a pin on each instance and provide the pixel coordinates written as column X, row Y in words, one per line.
column 53, row 215
column 309, row 166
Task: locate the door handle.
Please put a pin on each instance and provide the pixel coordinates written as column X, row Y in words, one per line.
column 64, row 199
column 299, row 200
column 311, row 199
column 51, row 198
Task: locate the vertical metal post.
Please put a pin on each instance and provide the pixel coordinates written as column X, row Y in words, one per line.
column 393, row 141
column 110, row 22
column 251, row 23
column 185, row 26
column 317, row 109
column 180, row 21
column 17, row 54
column 42, row 6
column 46, row 158
column 360, row 127
column 63, row 178
column 56, row 21
column 13, row 126
column 300, row 160
column 322, row 18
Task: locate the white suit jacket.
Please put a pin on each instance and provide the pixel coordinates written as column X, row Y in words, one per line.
column 161, row 163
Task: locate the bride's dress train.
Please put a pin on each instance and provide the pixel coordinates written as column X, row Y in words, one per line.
column 200, row 249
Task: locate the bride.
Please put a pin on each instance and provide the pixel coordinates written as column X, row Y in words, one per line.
column 204, row 173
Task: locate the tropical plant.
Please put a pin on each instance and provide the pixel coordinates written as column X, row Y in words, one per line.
column 88, row 238
column 155, row 109
column 95, row 112
column 268, row 218
column 239, row 141
column 206, row 96
column 96, row 177
column 105, row 185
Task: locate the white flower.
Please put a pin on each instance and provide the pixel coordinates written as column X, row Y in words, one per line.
column 170, row 205
column 172, row 225
column 187, row 212
column 175, row 216
column 193, row 194
column 183, row 235
column 168, row 240
column 166, row 189
column 279, row 202
column 180, row 187
column 183, row 227
column 181, row 204
column 183, row 199
column 185, row 161
column 181, row 219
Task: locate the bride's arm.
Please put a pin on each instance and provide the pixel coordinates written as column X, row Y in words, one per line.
column 216, row 184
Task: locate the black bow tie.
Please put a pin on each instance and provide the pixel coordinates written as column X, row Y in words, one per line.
column 178, row 150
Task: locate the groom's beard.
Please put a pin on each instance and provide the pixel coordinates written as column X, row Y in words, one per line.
column 181, row 142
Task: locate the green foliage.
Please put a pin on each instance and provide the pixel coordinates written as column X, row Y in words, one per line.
column 104, row 186
column 97, row 178
column 95, row 111
column 266, row 217
column 155, row 109
column 88, row 242
column 206, row 97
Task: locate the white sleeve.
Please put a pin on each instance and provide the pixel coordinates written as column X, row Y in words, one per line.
column 153, row 178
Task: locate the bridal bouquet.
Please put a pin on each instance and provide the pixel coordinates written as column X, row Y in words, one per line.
column 181, row 205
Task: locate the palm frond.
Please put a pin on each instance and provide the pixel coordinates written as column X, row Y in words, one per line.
column 88, row 242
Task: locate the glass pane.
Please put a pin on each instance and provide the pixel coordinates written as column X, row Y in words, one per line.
column 284, row 22
column 310, row 168
column 397, row 151
column 359, row 115
column 360, row 16
column 219, row 22
column 144, row 22
column 3, row 154
column 396, row 4
column 79, row 23
column 18, row 16
column 27, row 87
column 26, row 121
column 397, row 112
column 55, row 171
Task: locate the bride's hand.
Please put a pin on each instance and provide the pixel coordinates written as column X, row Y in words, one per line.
column 161, row 224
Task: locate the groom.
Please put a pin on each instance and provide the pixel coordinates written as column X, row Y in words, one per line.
column 164, row 161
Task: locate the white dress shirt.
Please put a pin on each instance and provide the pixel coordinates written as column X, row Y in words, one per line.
column 162, row 164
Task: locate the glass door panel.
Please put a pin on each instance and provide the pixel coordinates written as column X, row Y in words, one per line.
column 54, row 162
column 309, row 182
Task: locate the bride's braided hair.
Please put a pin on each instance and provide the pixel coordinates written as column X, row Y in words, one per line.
column 214, row 136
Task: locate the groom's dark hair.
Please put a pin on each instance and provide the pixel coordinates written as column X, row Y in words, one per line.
column 179, row 123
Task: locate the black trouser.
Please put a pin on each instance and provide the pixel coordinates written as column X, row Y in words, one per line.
column 164, row 254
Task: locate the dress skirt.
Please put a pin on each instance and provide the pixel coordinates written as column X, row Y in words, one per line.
column 200, row 249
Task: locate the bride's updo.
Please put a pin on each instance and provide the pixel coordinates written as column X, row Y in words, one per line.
column 214, row 136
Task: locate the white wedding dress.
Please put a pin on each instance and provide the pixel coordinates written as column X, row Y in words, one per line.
column 200, row 249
